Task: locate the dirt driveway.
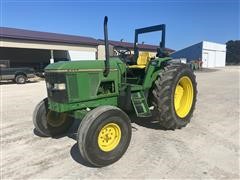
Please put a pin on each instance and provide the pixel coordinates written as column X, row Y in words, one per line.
column 207, row 148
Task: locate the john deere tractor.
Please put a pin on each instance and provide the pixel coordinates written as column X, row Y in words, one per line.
column 101, row 94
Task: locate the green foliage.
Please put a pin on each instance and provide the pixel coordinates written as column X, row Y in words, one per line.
column 233, row 52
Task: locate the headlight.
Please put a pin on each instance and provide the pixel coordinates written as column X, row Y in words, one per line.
column 60, row 86
column 56, row 86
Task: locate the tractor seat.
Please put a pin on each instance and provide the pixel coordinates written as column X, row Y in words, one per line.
column 142, row 61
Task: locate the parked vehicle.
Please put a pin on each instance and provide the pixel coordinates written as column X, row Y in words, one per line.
column 20, row 74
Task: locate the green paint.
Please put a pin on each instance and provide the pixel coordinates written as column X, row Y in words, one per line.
column 65, row 107
column 140, row 104
column 87, row 88
column 152, row 72
column 80, row 114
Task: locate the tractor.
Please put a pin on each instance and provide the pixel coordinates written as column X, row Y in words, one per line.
column 102, row 93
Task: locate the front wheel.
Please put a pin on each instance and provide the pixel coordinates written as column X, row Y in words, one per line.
column 174, row 96
column 104, row 135
column 50, row 123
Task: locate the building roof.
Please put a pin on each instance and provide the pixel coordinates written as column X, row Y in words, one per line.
column 129, row 45
column 22, row 34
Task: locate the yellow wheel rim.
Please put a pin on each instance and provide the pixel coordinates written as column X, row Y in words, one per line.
column 109, row 137
column 183, row 96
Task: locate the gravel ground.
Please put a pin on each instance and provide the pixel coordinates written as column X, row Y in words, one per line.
column 207, row 148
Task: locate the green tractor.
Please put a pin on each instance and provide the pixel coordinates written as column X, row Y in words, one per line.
column 101, row 94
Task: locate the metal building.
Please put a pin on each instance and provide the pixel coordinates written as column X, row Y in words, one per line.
column 212, row 54
column 34, row 48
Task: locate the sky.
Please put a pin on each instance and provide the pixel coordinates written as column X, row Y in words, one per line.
column 187, row 21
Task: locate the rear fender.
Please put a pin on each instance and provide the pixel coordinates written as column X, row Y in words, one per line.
column 152, row 71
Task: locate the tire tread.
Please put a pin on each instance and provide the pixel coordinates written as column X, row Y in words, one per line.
column 162, row 96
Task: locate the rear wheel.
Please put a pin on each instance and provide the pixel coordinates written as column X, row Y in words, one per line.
column 104, row 135
column 20, row 79
column 174, row 96
column 50, row 123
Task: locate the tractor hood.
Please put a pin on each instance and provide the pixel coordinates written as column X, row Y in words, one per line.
column 84, row 65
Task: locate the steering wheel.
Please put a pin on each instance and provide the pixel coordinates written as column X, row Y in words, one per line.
column 123, row 53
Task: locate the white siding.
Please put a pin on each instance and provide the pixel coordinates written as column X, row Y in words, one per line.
column 82, row 55
column 216, row 54
column 220, row 59
column 213, row 46
column 11, row 43
column 211, row 58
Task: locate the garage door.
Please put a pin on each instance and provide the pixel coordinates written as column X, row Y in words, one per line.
column 220, row 59
column 208, row 59
column 82, row 55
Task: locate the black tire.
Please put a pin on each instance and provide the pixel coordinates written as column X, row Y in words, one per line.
column 42, row 123
column 162, row 96
column 89, row 130
column 20, row 79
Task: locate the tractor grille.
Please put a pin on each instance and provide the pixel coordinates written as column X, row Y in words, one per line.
column 56, row 95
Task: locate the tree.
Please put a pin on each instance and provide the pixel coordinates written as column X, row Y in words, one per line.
column 233, row 52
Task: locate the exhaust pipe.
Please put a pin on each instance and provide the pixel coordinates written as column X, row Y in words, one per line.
column 107, row 66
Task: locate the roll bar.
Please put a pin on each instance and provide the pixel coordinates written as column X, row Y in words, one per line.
column 161, row 27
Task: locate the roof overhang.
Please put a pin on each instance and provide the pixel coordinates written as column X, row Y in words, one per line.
column 20, row 38
column 17, row 43
column 45, row 37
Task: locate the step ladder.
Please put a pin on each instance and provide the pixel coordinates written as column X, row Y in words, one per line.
column 140, row 104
